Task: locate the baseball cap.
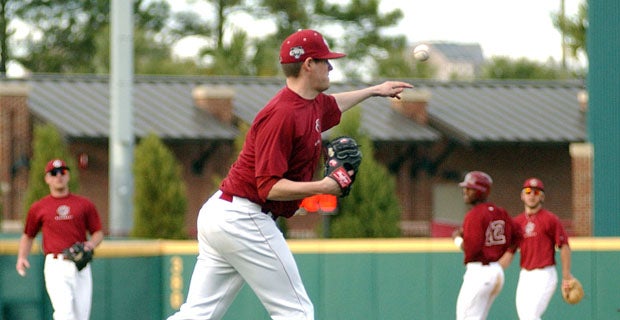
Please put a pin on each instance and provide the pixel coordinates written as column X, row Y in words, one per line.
column 55, row 164
column 534, row 183
column 305, row 44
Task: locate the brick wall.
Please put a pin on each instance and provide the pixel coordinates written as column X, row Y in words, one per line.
column 581, row 154
column 15, row 148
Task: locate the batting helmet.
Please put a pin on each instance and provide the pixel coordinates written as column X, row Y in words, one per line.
column 477, row 180
column 534, row 183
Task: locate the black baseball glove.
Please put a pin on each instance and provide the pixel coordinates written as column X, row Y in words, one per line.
column 343, row 155
column 78, row 255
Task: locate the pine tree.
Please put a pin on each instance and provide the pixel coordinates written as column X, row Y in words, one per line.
column 372, row 209
column 48, row 144
column 160, row 199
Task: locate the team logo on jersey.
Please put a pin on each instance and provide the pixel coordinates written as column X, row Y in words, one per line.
column 317, row 125
column 63, row 212
column 297, row 52
column 529, row 229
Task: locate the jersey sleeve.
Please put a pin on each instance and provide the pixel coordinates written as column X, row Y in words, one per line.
column 332, row 114
column 561, row 237
column 473, row 236
column 93, row 221
column 33, row 222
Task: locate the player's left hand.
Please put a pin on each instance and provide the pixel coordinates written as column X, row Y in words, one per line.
column 392, row 89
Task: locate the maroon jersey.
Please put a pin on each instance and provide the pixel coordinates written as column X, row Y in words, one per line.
column 488, row 231
column 284, row 141
column 63, row 221
column 542, row 232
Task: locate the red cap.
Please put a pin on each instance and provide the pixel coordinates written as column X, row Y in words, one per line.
column 305, row 44
column 55, row 164
column 534, row 183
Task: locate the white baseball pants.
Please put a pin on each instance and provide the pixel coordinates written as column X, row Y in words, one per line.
column 481, row 285
column 534, row 291
column 70, row 290
column 240, row 244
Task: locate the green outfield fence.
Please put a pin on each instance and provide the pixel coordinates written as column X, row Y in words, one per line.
column 415, row 278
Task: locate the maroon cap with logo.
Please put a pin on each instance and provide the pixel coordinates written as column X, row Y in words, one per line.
column 55, row 164
column 534, row 183
column 305, row 44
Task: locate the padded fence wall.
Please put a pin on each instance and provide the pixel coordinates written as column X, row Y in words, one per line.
column 346, row 279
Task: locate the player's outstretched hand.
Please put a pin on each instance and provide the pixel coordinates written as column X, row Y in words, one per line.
column 392, row 89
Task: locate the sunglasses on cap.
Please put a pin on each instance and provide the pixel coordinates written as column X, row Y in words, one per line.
column 56, row 171
column 536, row 192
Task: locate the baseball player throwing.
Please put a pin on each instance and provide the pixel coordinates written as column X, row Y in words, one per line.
column 542, row 233
column 487, row 233
column 238, row 239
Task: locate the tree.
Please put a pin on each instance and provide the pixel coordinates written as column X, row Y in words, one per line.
column 574, row 29
column 160, row 199
column 5, row 33
column 371, row 210
column 359, row 23
column 362, row 25
column 506, row 68
column 47, row 145
column 73, row 35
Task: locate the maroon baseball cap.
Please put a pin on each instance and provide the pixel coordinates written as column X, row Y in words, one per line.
column 55, row 164
column 534, row 183
column 305, row 44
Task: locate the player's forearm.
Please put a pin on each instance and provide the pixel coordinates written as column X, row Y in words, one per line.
column 506, row 259
column 346, row 100
column 95, row 239
column 286, row 190
column 393, row 89
column 565, row 258
column 25, row 246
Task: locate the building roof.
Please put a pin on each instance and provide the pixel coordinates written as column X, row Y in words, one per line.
column 507, row 111
column 470, row 112
column 460, row 52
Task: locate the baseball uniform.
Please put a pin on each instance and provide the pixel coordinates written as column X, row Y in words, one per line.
column 239, row 241
column 542, row 233
column 488, row 231
column 64, row 221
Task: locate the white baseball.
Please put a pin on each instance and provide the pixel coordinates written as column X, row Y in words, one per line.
column 420, row 52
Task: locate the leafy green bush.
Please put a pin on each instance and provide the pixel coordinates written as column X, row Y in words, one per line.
column 160, row 199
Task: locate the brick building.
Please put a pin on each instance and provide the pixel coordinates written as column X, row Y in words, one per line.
column 428, row 140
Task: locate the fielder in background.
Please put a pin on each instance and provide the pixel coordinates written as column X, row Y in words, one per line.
column 64, row 219
column 486, row 235
column 238, row 239
column 542, row 233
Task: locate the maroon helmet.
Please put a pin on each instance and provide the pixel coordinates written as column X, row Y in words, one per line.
column 478, row 180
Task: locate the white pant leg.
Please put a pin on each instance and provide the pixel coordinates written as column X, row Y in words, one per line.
column 481, row 285
column 70, row 291
column 237, row 242
column 269, row 267
column 534, row 291
column 83, row 293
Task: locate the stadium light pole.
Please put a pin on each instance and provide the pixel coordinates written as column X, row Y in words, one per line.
column 121, row 138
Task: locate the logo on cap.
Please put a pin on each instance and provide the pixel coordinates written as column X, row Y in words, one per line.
column 297, row 52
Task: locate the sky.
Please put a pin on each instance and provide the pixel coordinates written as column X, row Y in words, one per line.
column 502, row 27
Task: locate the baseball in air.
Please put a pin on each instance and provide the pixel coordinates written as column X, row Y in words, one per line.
column 420, row 52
